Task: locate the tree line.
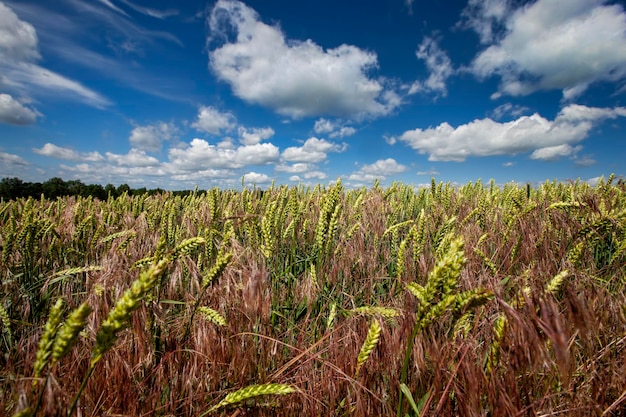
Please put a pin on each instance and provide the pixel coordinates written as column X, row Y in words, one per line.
column 14, row 188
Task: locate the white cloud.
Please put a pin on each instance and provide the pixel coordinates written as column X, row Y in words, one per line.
column 548, row 45
column 18, row 53
column 297, row 168
column 505, row 109
column 211, row 120
column 318, row 175
column 252, row 136
column 313, row 150
column 486, row 137
column 15, row 113
column 134, row 158
column 256, row 178
column 439, row 68
column 380, row 169
column 294, row 78
column 431, row 172
column 18, row 39
column 150, row 138
column 157, row 14
column 11, row 164
column 202, row 155
column 53, row 151
column 486, row 17
column 334, row 129
column 384, row 167
column 295, row 178
column 552, row 153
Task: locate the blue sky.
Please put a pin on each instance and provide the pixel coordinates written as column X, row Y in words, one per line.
column 178, row 94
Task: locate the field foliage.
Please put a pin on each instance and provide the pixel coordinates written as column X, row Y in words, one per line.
column 475, row 300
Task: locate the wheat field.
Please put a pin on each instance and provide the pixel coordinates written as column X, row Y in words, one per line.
column 472, row 300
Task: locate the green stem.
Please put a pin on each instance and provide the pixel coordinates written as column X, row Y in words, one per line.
column 405, row 365
column 92, row 366
column 40, row 398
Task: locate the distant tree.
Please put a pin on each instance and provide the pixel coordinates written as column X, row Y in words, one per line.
column 110, row 190
column 33, row 189
column 139, row 191
column 123, row 188
column 75, row 187
column 96, row 191
column 11, row 188
column 54, row 187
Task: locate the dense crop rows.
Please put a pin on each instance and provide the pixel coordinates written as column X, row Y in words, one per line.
column 475, row 300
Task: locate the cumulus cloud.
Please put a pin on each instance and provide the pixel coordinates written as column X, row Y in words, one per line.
column 334, row 129
column 296, row 168
column 202, row 155
column 134, row 158
column 313, row 150
column 486, row 137
column 318, row 175
column 15, row 113
column 10, row 164
column 439, row 67
column 486, row 17
column 211, row 120
column 256, row 178
column 552, row 153
column 294, row 78
column 252, row 136
column 548, row 46
column 53, row 151
column 150, row 138
column 380, row 169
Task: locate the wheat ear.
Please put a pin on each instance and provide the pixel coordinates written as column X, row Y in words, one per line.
column 373, row 336
column 47, row 338
column 68, row 333
column 212, row 315
column 250, row 392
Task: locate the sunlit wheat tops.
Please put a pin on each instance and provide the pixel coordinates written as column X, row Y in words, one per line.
column 222, row 301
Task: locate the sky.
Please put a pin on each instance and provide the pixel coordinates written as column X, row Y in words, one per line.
column 174, row 95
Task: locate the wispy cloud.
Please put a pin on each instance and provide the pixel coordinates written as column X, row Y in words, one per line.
column 19, row 53
column 439, row 67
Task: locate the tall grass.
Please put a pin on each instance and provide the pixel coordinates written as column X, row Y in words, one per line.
column 472, row 300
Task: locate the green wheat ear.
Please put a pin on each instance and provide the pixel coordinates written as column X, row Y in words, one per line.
column 373, row 336
column 250, row 392
column 68, row 332
column 212, row 315
column 46, row 342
